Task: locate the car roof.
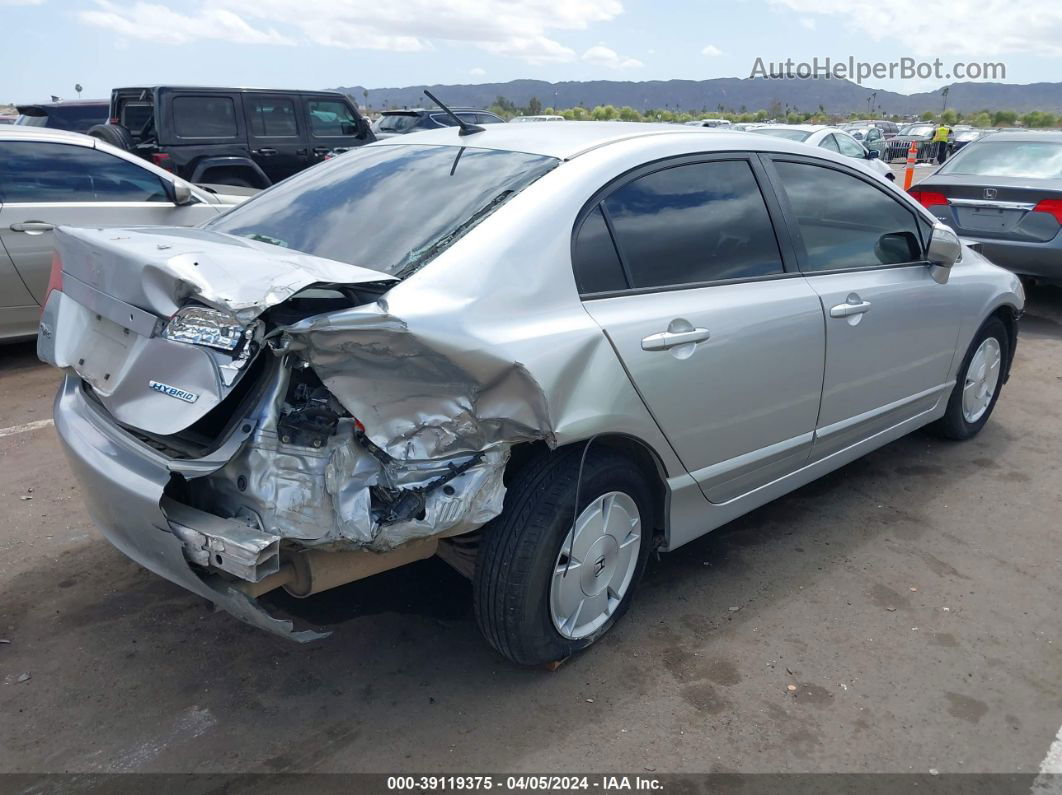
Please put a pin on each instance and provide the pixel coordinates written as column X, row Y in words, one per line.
column 567, row 141
column 174, row 87
column 1040, row 136
column 63, row 103
column 47, row 134
column 455, row 108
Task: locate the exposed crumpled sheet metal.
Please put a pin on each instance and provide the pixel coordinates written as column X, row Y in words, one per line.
column 416, row 399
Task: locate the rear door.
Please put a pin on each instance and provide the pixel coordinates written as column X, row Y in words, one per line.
column 277, row 138
column 680, row 265
column 47, row 184
column 890, row 328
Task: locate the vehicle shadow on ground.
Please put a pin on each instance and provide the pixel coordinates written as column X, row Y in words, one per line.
column 18, row 356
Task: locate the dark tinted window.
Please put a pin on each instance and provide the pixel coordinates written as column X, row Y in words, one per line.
column 389, row 208
column 695, row 223
column 271, row 117
column 597, row 265
column 847, row 223
column 330, row 118
column 77, row 118
column 46, row 172
column 488, row 118
column 1028, row 159
column 204, row 117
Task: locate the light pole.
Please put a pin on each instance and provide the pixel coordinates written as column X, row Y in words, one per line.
column 944, row 94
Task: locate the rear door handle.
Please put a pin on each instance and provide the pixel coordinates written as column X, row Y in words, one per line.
column 669, row 339
column 321, row 151
column 265, row 151
column 850, row 308
column 33, row 227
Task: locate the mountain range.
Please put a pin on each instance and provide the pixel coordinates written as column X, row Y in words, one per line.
column 732, row 93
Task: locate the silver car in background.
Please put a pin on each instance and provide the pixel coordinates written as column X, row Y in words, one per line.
column 51, row 178
column 573, row 345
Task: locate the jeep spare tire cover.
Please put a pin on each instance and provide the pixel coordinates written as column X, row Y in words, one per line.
column 114, row 134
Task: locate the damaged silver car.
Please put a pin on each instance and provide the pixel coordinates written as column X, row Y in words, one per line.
column 539, row 355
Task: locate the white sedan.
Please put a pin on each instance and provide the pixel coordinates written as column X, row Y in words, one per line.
column 831, row 138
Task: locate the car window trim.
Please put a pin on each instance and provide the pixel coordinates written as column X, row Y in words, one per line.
column 793, row 225
column 786, row 254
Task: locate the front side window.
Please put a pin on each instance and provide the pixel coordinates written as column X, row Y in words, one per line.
column 845, row 222
column 849, row 147
column 34, row 172
column 330, row 118
column 272, row 118
column 694, row 223
column 388, row 208
column 204, row 117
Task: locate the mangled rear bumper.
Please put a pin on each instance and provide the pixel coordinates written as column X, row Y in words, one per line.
column 122, row 484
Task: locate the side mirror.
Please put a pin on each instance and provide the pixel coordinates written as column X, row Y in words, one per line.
column 943, row 252
column 182, row 192
column 873, row 154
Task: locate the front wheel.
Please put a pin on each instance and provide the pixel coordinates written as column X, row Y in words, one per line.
column 978, row 384
column 546, row 587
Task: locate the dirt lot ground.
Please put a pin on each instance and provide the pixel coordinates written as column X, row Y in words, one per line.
column 912, row 600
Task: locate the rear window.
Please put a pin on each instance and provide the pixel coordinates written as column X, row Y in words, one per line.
column 782, row 132
column 397, row 122
column 76, row 118
column 204, row 117
column 917, row 130
column 1035, row 159
column 389, row 208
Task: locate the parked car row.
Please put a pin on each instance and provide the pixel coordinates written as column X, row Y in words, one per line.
column 832, row 139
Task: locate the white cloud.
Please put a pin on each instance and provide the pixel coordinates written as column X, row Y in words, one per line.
column 476, row 71
column 807, row 23
column 524, row 29
column 950, row 29
column 711, row 51
column 21, row 2
column 601, row 55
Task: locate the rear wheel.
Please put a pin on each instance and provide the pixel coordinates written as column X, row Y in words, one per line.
column 113, row 134
column 978, row 384
column 545, row 588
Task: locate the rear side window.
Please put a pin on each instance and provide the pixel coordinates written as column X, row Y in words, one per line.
column 330, row 118
column 204, row 117
column 849, row 147
column 272, row 117
column 694, row 223
column 845, row 222
column 45, row 172
column 830, row 143
column 597, row 265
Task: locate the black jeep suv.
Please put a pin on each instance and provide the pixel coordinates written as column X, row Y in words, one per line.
column 232, row 136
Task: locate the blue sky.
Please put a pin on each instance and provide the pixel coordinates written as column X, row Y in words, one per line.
column 49, row 45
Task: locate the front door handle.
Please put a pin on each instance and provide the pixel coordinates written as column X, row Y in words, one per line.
column 33, row 227
column 670, row 339
column 267, row 151
column 850, row 308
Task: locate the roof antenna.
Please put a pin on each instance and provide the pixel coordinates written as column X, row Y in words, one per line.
column 466, row 128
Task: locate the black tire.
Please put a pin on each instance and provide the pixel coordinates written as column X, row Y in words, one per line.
column 519, row 550
column 953, row 425
column 113, row 134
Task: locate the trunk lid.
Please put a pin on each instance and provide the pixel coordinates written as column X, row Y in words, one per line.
column 120, row 287
column 995, row 207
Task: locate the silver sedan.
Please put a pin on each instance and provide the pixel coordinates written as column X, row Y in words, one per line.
column 538, row 354
column 50, row 178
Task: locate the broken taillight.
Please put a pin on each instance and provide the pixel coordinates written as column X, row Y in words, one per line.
column 55, row 279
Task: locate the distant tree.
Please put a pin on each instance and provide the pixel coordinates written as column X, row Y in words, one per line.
column 534, row 107
column 982, row 119
column 927, row 116
column 1004, row 118
column 949, row 117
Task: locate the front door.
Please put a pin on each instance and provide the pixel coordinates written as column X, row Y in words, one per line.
column 724, row 346
column 46, row 185
column 890, row 327
column 275, row 135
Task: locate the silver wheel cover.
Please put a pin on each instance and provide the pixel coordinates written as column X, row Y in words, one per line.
column 982, row 380
column 595, row 566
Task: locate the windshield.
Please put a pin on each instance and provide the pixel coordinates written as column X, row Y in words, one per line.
column 389, row 208
column 917, row 130
column 783, row 132
column 1035, row 159
column 396, row 122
